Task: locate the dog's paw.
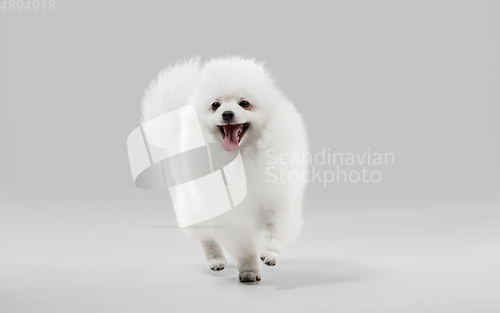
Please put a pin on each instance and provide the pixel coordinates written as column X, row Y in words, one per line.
column 269, row 258
column 216, row 264
column 248, row 277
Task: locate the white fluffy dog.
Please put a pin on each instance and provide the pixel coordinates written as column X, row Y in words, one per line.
column 239, row 105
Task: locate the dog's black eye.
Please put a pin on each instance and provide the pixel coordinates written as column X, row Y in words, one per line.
column 244, row 104
column 215, row 105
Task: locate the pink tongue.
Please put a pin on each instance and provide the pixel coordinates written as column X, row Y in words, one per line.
column 231, row 139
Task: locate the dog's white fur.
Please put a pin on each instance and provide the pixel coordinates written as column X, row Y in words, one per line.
column 270, row 216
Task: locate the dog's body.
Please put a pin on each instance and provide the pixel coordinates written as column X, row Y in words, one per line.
column 238, row 104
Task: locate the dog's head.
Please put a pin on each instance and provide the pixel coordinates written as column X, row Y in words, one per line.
column 234, row 97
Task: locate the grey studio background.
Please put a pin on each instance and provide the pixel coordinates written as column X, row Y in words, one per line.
column 417, row 79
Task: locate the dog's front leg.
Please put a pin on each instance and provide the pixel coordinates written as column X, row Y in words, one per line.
column 214, row 257
column 247, row 260
column 278, row 229
column 271, row 245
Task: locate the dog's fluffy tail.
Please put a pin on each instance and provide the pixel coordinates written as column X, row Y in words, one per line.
column 171, row 89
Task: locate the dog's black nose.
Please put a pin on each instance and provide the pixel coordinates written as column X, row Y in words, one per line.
column 227, row 115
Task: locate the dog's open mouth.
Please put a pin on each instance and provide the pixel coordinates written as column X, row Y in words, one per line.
column 232, row 134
